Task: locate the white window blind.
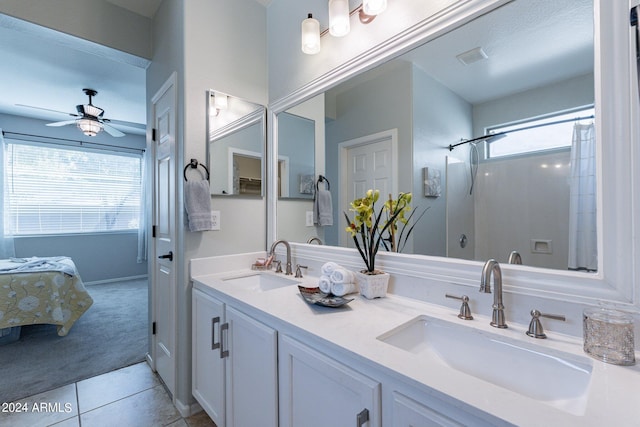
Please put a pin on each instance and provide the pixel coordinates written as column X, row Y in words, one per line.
column 68, row 190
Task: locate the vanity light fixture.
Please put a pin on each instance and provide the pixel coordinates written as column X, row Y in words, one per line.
column 339, row 24
column 310, row 35
column 339, row 21
column 220, row 102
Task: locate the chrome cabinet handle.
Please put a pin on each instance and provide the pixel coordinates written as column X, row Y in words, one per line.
column 214, row 344
column 224, row 327
column 362, row 417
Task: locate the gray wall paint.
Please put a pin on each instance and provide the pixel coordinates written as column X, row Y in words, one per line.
column 376, row 105
column 296, row 141
column 440, row 118
column 98, row 257
column 126, row 31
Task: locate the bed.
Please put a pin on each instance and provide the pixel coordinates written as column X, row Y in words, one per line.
column 41, row 290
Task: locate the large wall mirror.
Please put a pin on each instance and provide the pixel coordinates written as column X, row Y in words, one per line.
column 236, row 144
column 431, row 110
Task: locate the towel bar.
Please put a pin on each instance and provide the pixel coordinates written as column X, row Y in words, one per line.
column 194, row 165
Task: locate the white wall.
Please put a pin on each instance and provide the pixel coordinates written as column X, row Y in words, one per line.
column 216, row 45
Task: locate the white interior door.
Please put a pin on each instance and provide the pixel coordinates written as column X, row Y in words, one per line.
column 367, row 163
column 164, row 274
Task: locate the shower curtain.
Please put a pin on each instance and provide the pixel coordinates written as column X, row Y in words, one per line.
column 6, row 239
column 583, row 253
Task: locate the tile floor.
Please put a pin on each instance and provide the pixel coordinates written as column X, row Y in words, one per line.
column 129, row 397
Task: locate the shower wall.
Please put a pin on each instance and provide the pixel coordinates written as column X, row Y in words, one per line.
column 522, row 204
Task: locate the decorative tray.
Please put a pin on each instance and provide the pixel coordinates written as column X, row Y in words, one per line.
column 314, row 296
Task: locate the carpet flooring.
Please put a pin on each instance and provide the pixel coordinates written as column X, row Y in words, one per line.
column 112, row 334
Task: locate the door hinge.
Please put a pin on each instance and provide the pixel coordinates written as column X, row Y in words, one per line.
column 153, row 231
column 153, row 328
column 153, row 134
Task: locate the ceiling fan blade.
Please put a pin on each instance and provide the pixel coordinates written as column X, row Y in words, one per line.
column 64, row 123
column 112, row 131
column 127, row 124
column 47, row 109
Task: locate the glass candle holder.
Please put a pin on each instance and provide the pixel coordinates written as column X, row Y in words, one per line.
column 608, row 335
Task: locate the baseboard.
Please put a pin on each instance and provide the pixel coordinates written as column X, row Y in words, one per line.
column 187, row 410
column 116, row 280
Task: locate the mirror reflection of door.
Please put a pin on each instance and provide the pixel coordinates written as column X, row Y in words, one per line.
column 369, row 163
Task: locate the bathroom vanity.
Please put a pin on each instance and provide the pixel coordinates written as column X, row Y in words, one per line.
column 263, row 356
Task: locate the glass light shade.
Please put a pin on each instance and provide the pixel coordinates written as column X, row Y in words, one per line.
column 92, row 110
column 339, row 18
column 374, row 7
column 310, row 35
column 89, row 127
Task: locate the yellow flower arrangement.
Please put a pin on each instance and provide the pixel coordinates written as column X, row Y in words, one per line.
column 369, row 229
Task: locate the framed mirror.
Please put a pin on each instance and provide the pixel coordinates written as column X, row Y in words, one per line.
column 236, row 131
column 608, row 61
column 457, row 88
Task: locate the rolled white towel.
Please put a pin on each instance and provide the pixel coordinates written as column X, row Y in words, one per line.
column 342, row 275
column 328, row 267
column 341, row 289
column 324, row 283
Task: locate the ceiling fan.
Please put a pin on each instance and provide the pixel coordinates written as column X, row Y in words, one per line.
column 89, row 118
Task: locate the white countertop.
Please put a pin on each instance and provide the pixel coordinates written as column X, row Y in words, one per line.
column 613, row 395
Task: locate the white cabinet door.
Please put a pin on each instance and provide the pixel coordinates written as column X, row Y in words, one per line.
column 317, row 391
column 208, row 367
column 409, row 413
column 252, row 376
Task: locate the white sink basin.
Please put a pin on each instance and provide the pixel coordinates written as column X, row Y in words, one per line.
column 557, row 378
column 260, row 282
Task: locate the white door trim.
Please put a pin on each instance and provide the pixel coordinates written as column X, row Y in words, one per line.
column 343, row 148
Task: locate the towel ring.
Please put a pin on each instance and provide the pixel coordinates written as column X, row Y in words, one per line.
column 321, row 179
column 194, row 165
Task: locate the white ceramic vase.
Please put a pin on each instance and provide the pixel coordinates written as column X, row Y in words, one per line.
column 373, row 285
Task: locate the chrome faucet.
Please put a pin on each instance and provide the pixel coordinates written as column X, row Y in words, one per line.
column 314, row 239
column 492, row 267
column 272, row 251
column 515, row 258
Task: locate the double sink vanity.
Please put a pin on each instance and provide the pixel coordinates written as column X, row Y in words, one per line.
column 263, row 356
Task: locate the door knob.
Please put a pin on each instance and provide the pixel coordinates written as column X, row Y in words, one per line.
column 168, row 256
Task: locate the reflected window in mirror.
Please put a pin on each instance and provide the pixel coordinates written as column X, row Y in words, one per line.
column 236, row 145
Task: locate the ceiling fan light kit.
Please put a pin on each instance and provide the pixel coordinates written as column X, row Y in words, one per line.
column 89, row 118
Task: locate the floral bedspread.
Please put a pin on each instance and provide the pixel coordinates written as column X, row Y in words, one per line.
column 55, row 297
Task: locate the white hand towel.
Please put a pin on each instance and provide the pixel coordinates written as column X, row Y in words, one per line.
column 341, row 289
column 327, row 268
column 323, row 208
column 324, row 284
column 342, row 275
column 197, row 198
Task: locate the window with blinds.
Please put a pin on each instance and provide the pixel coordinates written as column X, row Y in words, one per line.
column 69, row 190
